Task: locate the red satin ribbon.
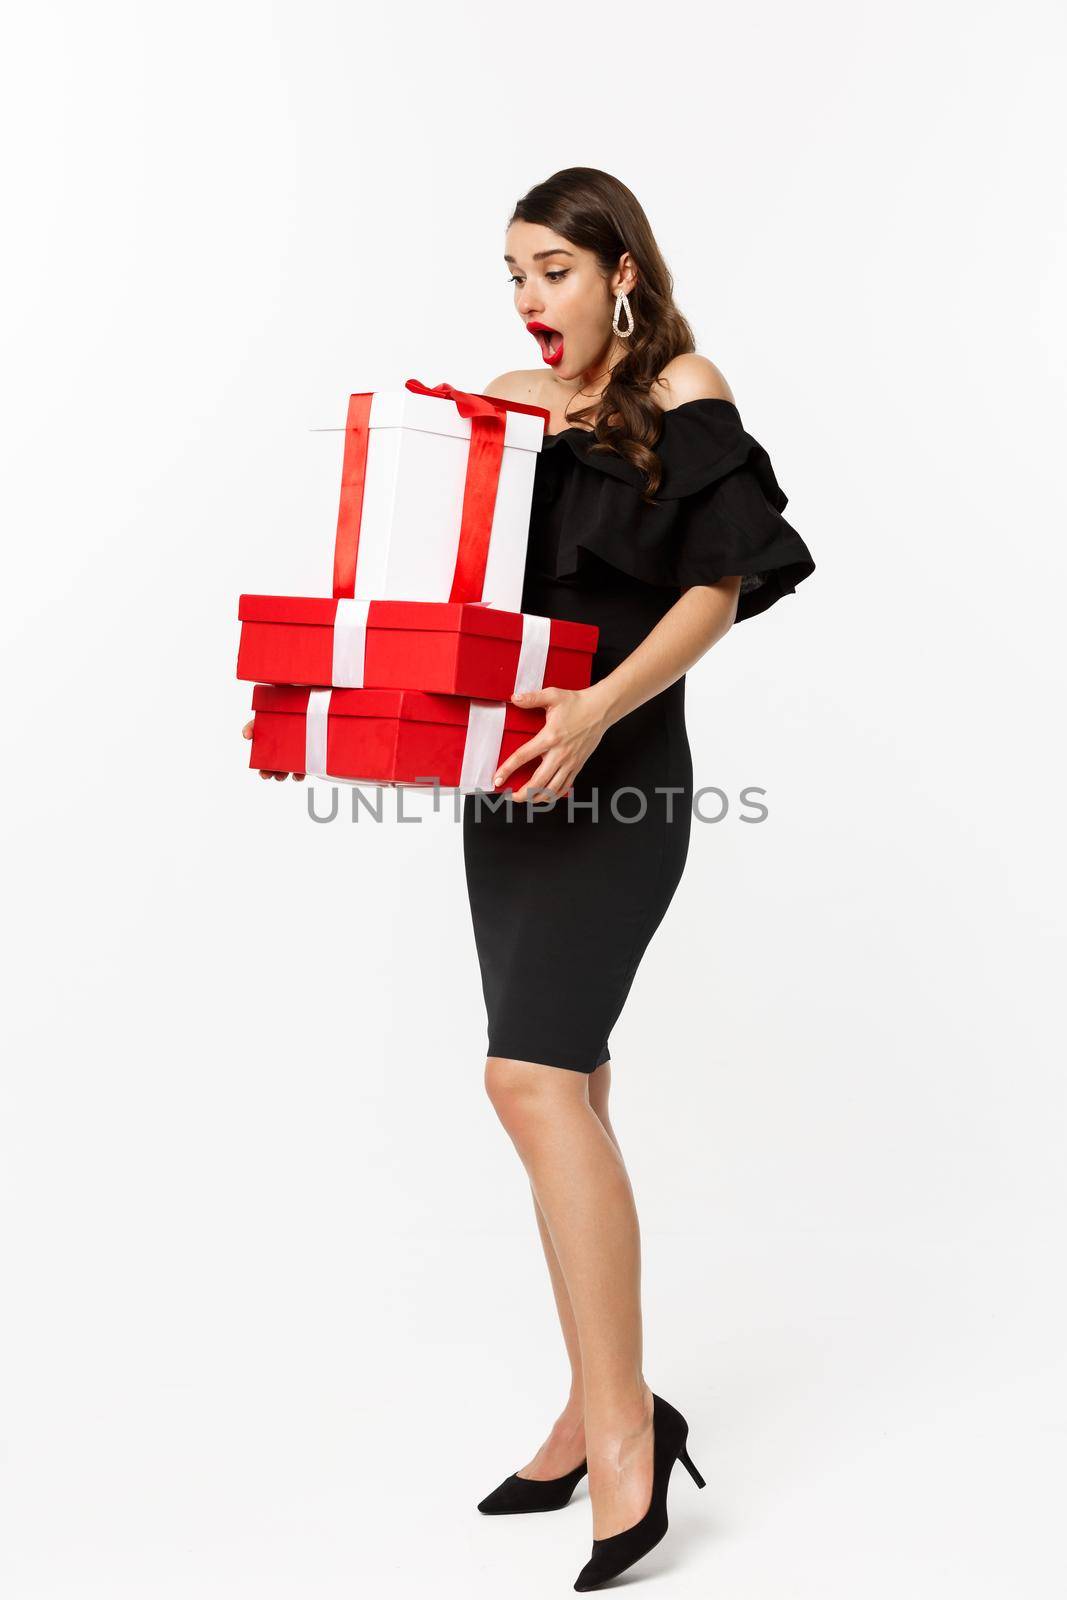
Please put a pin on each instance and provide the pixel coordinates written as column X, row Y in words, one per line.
column 488, row 417
column 353, row 477
column 447, row 390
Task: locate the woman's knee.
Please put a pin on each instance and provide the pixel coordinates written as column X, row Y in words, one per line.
column 524, row 1093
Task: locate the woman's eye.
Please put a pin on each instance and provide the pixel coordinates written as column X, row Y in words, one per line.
column 555, row 275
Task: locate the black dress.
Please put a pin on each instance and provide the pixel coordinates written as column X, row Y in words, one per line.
column 564, row 897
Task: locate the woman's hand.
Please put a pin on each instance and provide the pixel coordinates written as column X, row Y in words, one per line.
column 246, row 733
column 575, row 722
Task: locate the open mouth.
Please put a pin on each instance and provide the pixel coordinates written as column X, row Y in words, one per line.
column 550, row 340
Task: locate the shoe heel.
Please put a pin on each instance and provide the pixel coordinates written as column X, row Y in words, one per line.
column 687, row 1462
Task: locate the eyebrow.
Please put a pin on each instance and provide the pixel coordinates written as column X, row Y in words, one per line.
column 539, row 255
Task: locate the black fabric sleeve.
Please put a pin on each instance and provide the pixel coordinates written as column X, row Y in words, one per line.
column 717, row 513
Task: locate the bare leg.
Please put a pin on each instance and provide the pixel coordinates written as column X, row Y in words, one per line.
column 585, row 1201
column 564, row 1448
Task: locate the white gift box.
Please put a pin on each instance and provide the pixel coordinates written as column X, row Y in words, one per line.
column 436, row 496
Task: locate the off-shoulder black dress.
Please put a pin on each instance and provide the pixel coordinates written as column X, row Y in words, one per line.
column 566, row 896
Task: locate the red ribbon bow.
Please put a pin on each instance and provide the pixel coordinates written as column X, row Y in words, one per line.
column 475, row 404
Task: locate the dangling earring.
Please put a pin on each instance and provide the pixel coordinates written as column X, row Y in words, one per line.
column 620, row 301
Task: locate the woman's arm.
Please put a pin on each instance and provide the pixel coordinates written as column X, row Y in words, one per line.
column 577, row 719
column 685, row 633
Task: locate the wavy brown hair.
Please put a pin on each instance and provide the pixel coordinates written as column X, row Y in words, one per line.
column 592, row 209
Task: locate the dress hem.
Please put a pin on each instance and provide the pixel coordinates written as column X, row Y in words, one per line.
column 544, row 1058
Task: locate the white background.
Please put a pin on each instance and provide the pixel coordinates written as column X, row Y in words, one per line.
column 275, row 1311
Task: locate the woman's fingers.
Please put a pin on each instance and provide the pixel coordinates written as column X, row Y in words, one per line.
column 246, row 731
column 518, row 758
column 543, row 783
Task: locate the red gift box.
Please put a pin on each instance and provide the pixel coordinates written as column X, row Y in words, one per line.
column 390, row 736
column 441, row 647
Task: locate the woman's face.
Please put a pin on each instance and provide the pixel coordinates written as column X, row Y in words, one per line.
column 559, row 286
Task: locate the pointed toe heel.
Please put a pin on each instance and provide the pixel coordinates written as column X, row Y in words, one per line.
column 613, row 1555
column 517, row 1494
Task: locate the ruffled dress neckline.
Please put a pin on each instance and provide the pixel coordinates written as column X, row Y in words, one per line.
column 703, row 400
column 699, row 440
column 717, row 511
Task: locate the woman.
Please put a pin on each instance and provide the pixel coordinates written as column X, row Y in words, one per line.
column 657, row 517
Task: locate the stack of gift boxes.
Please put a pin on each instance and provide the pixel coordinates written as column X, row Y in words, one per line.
column 404, row 675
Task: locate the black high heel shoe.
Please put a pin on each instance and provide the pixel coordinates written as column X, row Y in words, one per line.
column 613, row 1555
column 532, row 1494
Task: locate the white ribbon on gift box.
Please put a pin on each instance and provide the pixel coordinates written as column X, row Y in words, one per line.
column 350, row 644
column 481, row 748
column 350, row 647
column 318, row 718
column 533, row 653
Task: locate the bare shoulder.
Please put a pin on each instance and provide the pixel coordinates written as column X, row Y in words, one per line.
column 690, row 377
column 518, row 385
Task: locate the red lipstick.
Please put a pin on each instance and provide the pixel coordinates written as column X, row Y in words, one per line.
column 551, row 356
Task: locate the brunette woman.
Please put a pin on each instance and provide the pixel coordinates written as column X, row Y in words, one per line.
column 657, row 517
